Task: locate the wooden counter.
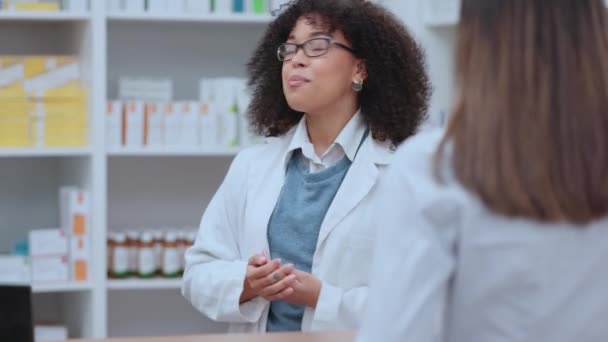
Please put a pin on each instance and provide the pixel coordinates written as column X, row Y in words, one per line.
column 289, row 337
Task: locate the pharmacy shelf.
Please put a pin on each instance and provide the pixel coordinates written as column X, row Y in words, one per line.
column 442, row 23
column 62, row 287
column 205, row 18
column 45, row 152
column 145, row 284
column 442, row 13
column 173, row 152
column 43, row 16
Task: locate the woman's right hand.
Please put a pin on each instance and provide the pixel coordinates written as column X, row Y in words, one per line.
column 267, row 279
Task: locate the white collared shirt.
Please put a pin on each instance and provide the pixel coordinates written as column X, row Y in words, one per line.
column 346, row 143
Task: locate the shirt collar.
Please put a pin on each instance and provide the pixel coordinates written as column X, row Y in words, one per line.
column 351, row 135
column 300, row 137
column 349, row 138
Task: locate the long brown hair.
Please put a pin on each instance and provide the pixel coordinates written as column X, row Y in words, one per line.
column 529, row 129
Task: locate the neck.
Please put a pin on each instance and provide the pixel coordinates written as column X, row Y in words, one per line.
column 324, row 126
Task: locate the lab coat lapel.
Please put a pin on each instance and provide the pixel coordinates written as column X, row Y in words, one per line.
column 358, row 182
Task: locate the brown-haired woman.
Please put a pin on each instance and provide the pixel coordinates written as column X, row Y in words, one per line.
column 498, row 229
column 286, row 242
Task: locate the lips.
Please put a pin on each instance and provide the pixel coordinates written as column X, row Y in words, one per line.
column 296, row 80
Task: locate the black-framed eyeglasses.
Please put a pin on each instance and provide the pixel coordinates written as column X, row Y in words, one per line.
column 312, row 48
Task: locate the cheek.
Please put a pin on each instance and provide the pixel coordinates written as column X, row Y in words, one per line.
column 333, row 77
column 284, row 74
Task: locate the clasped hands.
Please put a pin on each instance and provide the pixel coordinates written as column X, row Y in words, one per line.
column 272, row 280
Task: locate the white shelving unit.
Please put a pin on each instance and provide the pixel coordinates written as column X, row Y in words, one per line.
column 148, row 187
column 62, row 287
column 167, row 187
column 446, row 13
column 130, row 188
column 42, row 16
column 207, row 18
column 45, row 152
column 30, row 178
column 175, row 152
column 442, row 13
column 145, row 284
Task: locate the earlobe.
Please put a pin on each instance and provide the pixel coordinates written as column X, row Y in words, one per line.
column 360, row 76
column 357, row 85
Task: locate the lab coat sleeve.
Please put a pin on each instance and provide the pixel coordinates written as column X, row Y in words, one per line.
column 215, row 271
column 412, row 267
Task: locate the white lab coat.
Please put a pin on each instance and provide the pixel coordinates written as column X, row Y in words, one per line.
column 234, row 227
column 447, row 269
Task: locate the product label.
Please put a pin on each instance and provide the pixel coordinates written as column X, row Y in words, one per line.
column 182, row 257
column 132, row 263
column 158, row 256
column 146, row 261
column 171, row 262
column 120, row 261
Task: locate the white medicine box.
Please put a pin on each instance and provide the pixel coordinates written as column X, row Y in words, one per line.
column 133, row 124
column 50, row 269
column 74, row 206
column 48, row 242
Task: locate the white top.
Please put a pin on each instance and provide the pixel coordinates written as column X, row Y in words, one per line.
column 448, row 269
column 234, row 227
column 346, row 143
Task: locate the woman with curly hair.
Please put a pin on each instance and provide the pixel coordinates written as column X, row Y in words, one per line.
column 285, row 244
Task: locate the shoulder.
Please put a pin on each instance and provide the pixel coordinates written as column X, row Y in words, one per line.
column 412, row 177
column 414, row 157
column 266, row 153
column 413, row 194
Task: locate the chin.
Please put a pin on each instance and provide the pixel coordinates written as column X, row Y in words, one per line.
column 298, row 104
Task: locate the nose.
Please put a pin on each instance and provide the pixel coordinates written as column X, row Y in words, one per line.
column 299, row 58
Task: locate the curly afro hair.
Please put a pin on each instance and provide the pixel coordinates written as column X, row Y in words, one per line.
column 395, row 96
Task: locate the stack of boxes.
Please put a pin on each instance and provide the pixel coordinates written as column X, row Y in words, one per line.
column 16, row 108
column 216, row 120
column 64, row 254
column 14, row 269
column 75, row 208
column 31, row 5
column 43, row 5
column 194, row 6
column 44, row 103
column 49, row 255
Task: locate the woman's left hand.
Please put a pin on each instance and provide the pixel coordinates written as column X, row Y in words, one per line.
column 306, row 289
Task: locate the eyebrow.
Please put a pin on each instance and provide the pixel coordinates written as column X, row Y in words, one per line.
column 312, row 35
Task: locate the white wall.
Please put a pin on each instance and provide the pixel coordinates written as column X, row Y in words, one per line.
column 184, row 52
column 438, row 44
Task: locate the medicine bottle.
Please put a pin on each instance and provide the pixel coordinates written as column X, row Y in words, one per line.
column 183, row 245
column 110, row 244
column 158, row 251
column 171, row 257
column 146, row 262
column 120, row 257
column 133, row 246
